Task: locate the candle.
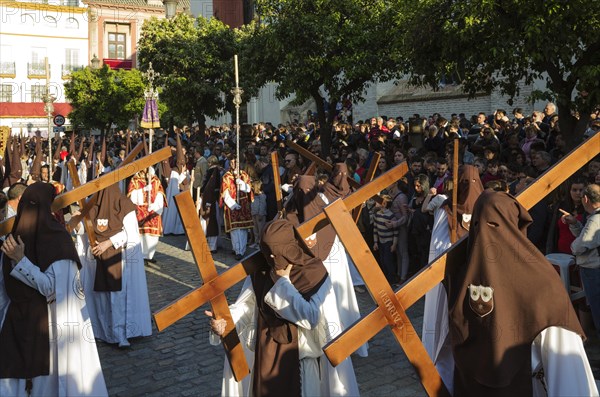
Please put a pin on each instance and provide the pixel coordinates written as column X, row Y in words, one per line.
column 236, row 69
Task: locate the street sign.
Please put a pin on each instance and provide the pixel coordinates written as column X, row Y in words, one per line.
column 59, row 120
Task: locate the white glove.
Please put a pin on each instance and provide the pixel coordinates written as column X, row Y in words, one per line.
column 236, row 207
column 148, row 188
column 242, row 186
column 286, row 187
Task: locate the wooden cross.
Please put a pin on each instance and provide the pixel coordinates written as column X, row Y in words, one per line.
column 454, row 219
column 208, row 272
column 87, row 222
column 390, row 308
column 277, row 180
column 217, row 286
column 97, row 184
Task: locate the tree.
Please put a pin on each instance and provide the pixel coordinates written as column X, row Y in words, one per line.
column 499, row 43
column 195, row 62
column 326, row 50
column 104, row 96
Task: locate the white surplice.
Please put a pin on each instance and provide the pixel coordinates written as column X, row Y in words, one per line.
column 318, row 323
column 435, row 315
column 74, row 363
column 170, row 217
column 119, row 315
column 139, row 197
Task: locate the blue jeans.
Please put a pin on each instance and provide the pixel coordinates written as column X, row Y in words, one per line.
column 591, row 284
column 387, row 261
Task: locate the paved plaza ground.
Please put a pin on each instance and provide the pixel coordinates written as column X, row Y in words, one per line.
column 180, row 361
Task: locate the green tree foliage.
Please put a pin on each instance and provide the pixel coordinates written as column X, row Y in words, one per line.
column 321, row 49
column 499, row 43
column 105, row 96
column 195, row 60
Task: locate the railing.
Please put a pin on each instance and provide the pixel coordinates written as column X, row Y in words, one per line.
column 66, row 70
column 118, row 63
column 36, row 70
column 8, row 69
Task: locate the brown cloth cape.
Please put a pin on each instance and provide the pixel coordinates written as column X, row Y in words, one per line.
column 335, row 188
column 492, row 347
column 210, row 196
column 277, row 359
column 36, row 167
column 469, row 190
column 107, row 216
column 24, row 338
column 304, row 204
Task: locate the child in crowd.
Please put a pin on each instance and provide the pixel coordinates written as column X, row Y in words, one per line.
column 258, row 209
column 385, row 239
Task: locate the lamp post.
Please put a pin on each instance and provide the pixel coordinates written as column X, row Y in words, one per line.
column 237, row 101
column 170, row 8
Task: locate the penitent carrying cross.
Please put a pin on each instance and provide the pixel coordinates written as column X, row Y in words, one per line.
column 214, row 286
column 391, row 306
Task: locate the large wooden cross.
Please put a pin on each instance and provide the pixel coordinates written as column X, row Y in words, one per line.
column 277, row 180
column 217, row 286
column 208, row 272
column 391, row 306
column 97, row 184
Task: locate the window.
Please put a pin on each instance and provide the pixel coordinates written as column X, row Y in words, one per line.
column 6, row 93
column 37, row 93
column 71, row 57
column 116, row 45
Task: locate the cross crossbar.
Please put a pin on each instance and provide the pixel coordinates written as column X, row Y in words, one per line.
column 277, row 180
column 366, row 328
column 191, row 301
column 208, row 271
column 393, row 312
column 87, row 223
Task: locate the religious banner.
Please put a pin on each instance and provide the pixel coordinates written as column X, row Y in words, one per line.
column 150, row 118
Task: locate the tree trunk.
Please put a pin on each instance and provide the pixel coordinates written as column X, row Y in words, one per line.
column 201, row 119
column 324, row 129
column 571, row 128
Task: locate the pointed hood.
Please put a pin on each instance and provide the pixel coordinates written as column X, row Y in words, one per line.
column 90, row 155
column 180, row 156
column 56, row 154
column 72, row 145
column 80, row 151
column 103, row 152
column 165, row 164
column 36, row 167
column 16, row 170
column 22, row 149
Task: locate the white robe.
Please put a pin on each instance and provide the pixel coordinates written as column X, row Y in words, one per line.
column 435, row 315
column 170, row 216
column 338, row 268
column 119, row 315
column 317, row 322
column 74, row 363
column 565, row 365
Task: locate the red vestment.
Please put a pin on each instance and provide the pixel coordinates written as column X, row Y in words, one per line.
column 242, row 218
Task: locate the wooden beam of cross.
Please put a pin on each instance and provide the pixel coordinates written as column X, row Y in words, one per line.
column 328, row 167
column 311, row 169
column 208, row 271
column 277, row 180
column 97, row 184
column 392, row 311
column 87, row 222
column 191, row 301
column 86, row 206
column 454, row 219
column 354, row 337
column 368, row 178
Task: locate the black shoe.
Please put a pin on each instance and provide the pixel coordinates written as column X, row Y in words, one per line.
column 151, row 260
column 238, row 257
column 213, row 251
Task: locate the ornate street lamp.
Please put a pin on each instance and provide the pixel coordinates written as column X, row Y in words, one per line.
column 170, row 8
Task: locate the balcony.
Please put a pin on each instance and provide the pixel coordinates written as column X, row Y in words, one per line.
column 66, row 70
column 36, row 70
column 118, row 63
column 8, row 70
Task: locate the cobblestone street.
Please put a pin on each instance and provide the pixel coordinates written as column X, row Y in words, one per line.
column 180, row 361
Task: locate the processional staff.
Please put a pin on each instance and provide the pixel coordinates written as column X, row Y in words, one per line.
column 237, row 101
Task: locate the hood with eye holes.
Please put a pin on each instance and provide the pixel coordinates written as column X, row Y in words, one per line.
column 492, row 334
